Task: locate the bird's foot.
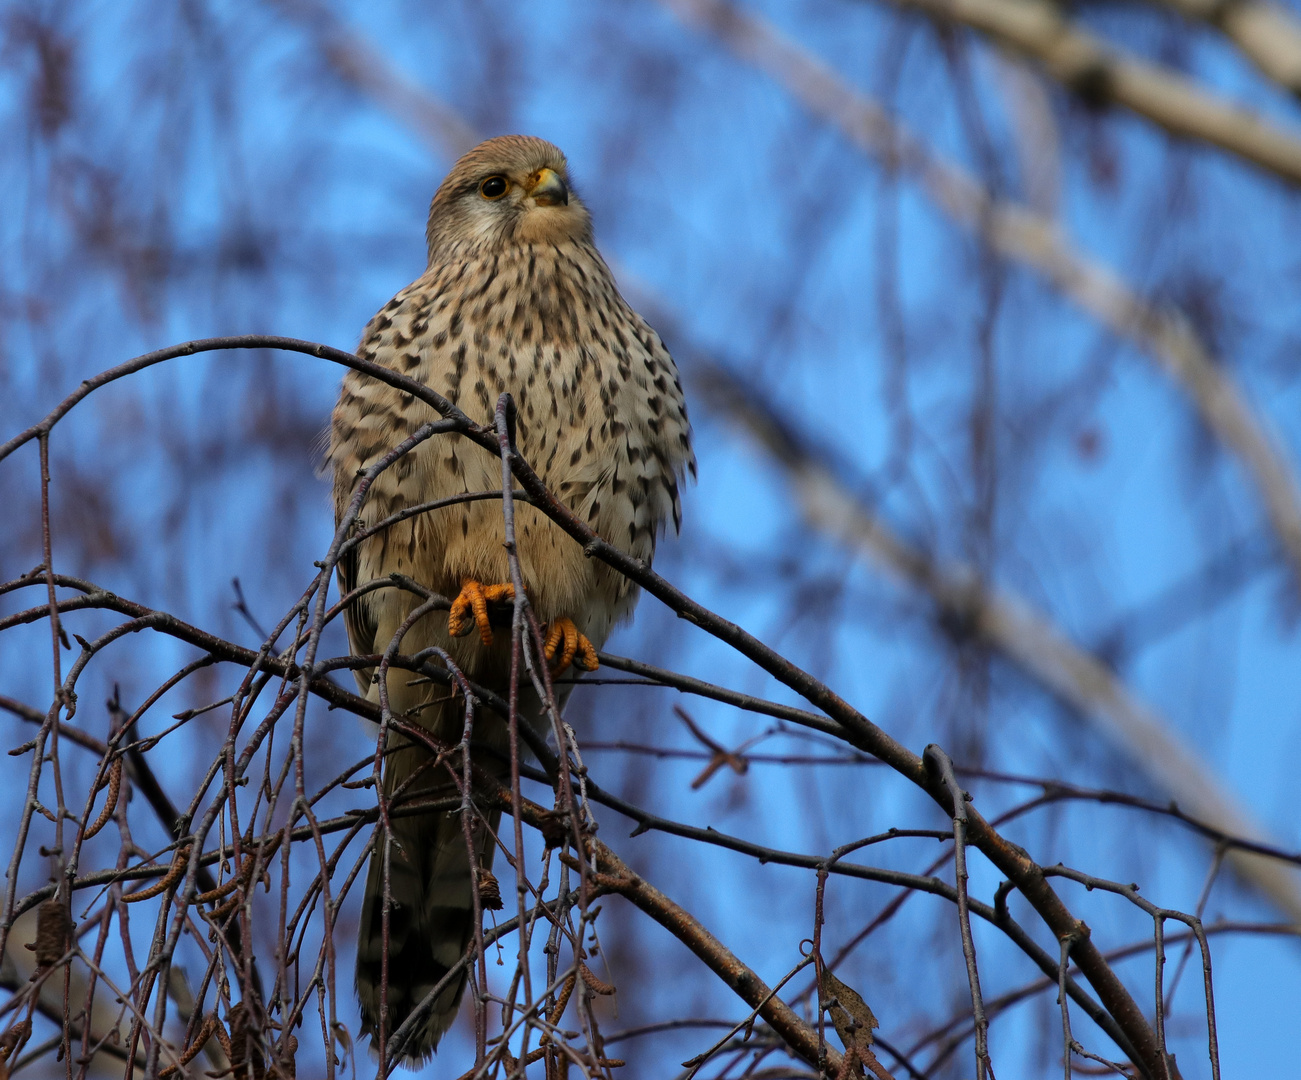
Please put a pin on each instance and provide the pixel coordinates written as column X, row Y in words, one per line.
column 565, row 644
column 470, row 608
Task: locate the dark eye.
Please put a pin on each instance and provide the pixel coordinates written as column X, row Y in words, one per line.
column 494, row 187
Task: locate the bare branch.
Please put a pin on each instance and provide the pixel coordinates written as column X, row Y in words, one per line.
column 1026, row 637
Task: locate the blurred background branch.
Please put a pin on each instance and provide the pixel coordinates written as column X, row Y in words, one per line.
column 1016, row 232
column 1023, row 636
column 1268, row 34
column 1001, row 299
column 1102, row 75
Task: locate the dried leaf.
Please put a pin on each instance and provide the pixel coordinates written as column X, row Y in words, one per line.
column 489, row 890
column 53, row 933
column 245, row 1046
column 556, row 828
column 853, row 1019
column 14, row 1038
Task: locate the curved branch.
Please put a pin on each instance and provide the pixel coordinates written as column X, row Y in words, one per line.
column 1012, row 861
column 1011, row 626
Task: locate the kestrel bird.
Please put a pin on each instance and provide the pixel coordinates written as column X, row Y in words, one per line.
column 516, row 298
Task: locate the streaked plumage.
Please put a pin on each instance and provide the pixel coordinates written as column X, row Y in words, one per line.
column 515, row 298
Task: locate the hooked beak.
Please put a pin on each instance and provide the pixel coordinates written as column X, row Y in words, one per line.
column 549, row 189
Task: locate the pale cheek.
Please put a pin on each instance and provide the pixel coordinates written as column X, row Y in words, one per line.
column 484, row 221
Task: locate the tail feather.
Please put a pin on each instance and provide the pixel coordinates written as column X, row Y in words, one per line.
column 431, row 919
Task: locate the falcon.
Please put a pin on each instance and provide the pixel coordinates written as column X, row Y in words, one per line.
column 516, row 298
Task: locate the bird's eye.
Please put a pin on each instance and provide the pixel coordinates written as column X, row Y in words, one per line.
column 494, row 187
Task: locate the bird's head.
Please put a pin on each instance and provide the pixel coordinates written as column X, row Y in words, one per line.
column 510, row 190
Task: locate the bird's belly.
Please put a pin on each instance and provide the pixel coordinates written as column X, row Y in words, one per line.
column 468, row 540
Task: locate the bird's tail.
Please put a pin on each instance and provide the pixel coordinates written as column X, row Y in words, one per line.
column 431, row 914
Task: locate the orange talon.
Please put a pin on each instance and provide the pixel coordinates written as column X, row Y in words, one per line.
column 586, row 658
column 475, row 598
column 555, row 631
column 577, row 649
column 570, row 632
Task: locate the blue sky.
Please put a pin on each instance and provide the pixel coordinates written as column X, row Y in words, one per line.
column 249, row 189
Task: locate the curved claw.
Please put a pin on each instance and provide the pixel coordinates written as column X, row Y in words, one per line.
column 576, row 648
column 470, row 608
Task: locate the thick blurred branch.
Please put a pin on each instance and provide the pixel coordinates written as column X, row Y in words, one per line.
column 1018, row 233
column 18, row 970
column 1074, row 57
column 367, row 70
column 1104, row 75
column 1008, row 624
column 1268, row 34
